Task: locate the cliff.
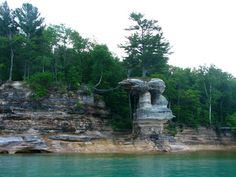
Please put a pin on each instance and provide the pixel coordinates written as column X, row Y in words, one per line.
column 203, row 138
column 26, row 124
column 78, row 122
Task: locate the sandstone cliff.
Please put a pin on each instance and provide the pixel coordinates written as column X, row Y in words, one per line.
column 24, row 121
column 78, row 122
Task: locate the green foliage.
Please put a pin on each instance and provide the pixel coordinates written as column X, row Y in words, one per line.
column 8, row 33
column 121, row 123
column 73, row 78
column 78, row 105
column 59, row 57
column 147, row 50
column 171, row 129
column 110, row 70
column 41, row 83
column 231, row 120
column 189, row 92
column 120, row 113
column 29, row 20
column 7, row 20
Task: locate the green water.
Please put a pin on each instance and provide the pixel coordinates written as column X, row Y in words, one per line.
column 200, row 164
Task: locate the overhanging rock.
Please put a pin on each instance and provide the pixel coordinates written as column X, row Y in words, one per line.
column 149, row 106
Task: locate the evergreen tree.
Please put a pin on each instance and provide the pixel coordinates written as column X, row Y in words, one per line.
column 8, row 33
column 31, row 26
column 146, row 48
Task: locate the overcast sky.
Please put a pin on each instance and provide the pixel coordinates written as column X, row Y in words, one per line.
column 200, row 31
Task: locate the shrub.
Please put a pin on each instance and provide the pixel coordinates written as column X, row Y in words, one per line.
column 41, row 83
column 171, row 129
column 78, row 105
column 119, row 123
column 231, row 120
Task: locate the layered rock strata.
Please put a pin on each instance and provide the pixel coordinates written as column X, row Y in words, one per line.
column 26, row 123
column 77, row 122
column 149, row 106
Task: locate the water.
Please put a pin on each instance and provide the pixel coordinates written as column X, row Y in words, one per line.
column 198, row 164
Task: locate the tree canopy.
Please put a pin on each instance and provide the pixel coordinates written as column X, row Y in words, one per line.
column 58, row 58
column 146, row 48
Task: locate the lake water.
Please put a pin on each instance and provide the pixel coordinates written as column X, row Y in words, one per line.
column 197, row 164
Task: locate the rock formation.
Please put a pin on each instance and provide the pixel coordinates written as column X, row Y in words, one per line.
column 26, row 122
column 76, row 122
column 149, row 106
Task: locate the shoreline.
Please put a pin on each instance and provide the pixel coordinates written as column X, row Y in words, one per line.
column 91, row 144
column 141, row 147
column 37, row 144
column 219, row 147
column 194, row 150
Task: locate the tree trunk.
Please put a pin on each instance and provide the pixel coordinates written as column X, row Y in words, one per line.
column 43, row 68
column 210, row 98
column 221, row 111
column 178, row 104
column 129, row 73
column 11, row 56
column 55, row 70
column 11, row 65
column 28, row 71
column 25, row 71
column 144, row 72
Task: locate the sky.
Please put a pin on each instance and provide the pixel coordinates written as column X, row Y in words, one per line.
column 201, row 32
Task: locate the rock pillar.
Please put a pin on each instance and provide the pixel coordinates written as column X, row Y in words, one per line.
column 144, row 100
column 151, row 111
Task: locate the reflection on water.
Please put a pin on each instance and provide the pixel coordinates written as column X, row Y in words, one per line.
column 198, row 164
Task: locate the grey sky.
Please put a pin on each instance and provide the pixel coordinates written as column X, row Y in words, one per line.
column 200, row 31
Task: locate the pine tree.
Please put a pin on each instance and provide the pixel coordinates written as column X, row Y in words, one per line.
column 146, row 48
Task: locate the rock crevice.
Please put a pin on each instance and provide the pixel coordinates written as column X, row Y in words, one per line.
column 25, row 122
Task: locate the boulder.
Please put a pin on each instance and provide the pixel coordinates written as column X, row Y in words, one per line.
column 22, row 143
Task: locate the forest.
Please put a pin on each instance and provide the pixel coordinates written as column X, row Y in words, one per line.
column 56, row 58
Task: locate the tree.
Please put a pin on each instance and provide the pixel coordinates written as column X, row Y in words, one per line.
column 214, row 85
column 104, row 65
column 8, row 31
column 31, row 27
column 146, row 48
column 106, row 72
column 29, row 20
column 68, row 48
column 182, row 95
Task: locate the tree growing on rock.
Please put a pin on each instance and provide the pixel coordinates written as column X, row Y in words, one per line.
column 146, row 48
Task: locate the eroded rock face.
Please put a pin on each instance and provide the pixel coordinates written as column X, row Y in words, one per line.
column 24, row 120
column 57, row 124
column 150, row 110
column 22, row 143
column 75, row 138
column 19, row 112
column 151, row 103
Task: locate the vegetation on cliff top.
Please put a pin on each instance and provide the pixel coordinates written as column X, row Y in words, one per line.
column 58, row 57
